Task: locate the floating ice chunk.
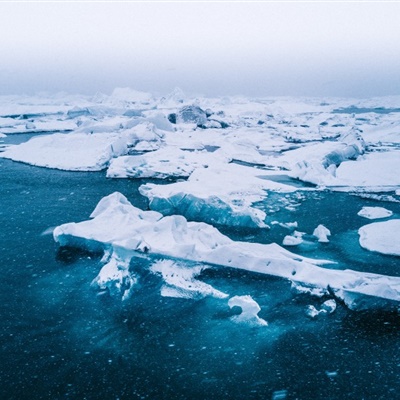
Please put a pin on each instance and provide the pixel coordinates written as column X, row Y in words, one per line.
column 279, row 395
column 374, row 212
column 382, row 237
column 75, row 152
column 180, row 281
column 327, row 307
column 216, row 195
column 250, row 310
column 116, row 223
column 322, row 233
column 287, row 225
column 311, row 311
column 293, row 240
column 376, row 171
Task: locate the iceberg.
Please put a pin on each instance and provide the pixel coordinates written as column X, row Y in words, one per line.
column 381, row 237
column 116, row 226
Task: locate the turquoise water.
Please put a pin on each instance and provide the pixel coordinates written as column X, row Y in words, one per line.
column 62, row 339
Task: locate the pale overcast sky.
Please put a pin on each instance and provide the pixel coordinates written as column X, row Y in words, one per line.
column 260, row 49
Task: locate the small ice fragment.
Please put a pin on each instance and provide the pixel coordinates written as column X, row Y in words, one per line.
column 250, row 309
column 292, row 240
column 311, row 311
column 322, row 233
column 331, row 374
column 329, row 306
column 279, row 395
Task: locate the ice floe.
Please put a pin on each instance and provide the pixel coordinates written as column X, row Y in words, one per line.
column 83, row 151
column 382, row 237
column 372, row 172
column 119, row 227
column 217, row 194
column 374, row 212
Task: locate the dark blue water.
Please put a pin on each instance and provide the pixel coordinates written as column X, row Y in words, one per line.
column 61, row 339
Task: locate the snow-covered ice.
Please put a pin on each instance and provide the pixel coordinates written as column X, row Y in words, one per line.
column 382, row 237
column 294, row 239
column 222, row 157
column 83, row 151
column 327, row 307
column 80, row 152
column 119, row 227
column 221, row 194
column 250, row 310
column 374, row 212
column 322, row 233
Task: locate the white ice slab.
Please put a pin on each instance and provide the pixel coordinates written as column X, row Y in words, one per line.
column 250, row 310
column 74, row 152
column 382, row 237
column 374, row 212
column 222, row 194
column 118, row 226
column 376, row 171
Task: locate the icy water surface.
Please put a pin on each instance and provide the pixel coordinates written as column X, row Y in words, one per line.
column 61, row 339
